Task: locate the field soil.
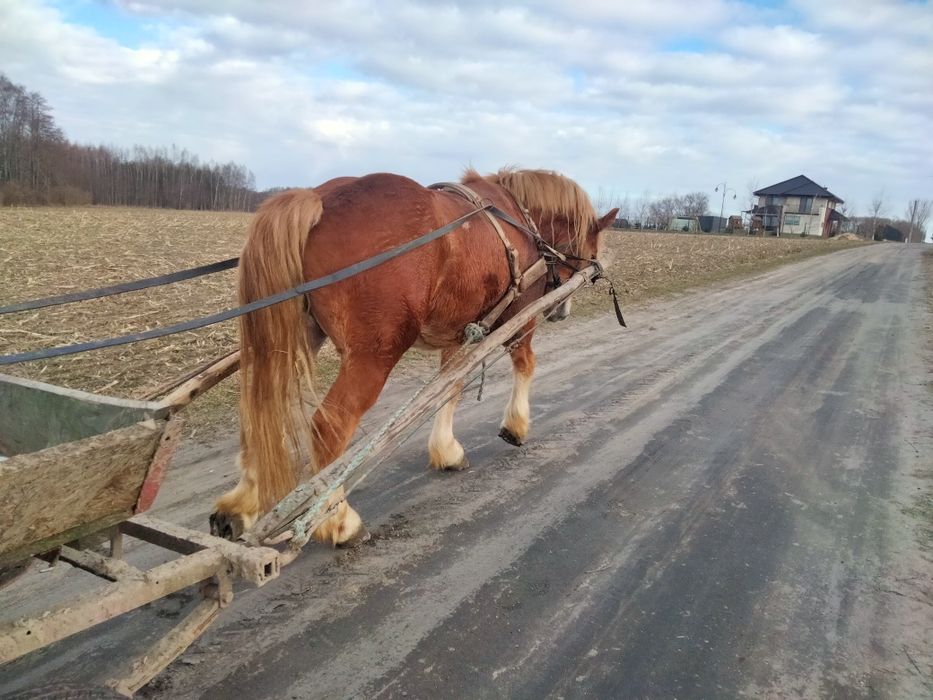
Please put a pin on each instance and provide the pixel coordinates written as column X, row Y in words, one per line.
column 47, row 250
column 729, row 499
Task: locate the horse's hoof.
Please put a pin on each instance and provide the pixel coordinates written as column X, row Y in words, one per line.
column 459, row 466
column 509, row 437
column 362, row 535
column 227, row 526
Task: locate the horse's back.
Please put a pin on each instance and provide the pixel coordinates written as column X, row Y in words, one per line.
column 363, row 217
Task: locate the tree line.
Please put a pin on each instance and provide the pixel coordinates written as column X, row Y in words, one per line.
column 38, row 165
column 911, row 225
column 645, row 212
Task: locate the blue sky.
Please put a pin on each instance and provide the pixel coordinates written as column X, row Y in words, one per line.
column 638, row 99
column 107, row 20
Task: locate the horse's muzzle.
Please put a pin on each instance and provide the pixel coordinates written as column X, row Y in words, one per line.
column 558, row 312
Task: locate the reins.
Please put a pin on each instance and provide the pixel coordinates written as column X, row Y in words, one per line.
column 228, row 314
column 123, row 288
column 550, row 256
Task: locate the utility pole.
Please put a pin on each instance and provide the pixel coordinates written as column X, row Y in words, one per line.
column 722, row 206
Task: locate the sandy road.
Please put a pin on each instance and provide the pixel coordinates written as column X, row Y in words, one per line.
column 715, row 503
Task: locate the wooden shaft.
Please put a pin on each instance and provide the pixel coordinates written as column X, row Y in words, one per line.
column 165, row 387
column 23, row 636
column 166, row 649
column 99, row 565
column 204, row 380
column 438, row 392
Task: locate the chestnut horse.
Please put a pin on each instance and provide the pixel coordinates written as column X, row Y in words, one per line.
column 423, row 298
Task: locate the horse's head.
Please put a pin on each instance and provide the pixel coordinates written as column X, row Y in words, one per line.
column 563, row 214
column 562, row 234
column 581, row 241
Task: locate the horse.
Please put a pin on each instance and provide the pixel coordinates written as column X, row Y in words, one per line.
column 423, row 299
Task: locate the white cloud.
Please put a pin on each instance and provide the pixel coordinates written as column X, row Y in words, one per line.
column 660, row 96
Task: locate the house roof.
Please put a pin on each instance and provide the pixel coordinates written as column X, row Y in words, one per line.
column 797, row 186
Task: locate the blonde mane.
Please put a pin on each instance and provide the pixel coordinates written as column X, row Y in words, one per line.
column 547, row 194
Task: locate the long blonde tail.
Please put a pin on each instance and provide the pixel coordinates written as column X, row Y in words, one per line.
column 277, row 363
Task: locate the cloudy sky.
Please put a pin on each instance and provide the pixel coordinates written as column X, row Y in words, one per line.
column 631, row 96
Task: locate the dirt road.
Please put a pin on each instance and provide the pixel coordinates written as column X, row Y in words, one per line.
column 721, row 501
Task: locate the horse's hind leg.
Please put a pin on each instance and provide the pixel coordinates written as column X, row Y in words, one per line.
column 444, row 451
column 517, row 418
column 316, row 334
column 355, row 390
column 238, row 509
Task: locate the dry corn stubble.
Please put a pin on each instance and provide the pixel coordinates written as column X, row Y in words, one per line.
column 46, row 251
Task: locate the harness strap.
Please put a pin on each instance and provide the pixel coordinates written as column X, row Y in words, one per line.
column 521, row 281
column 192, row 324
column 477, row 201
column 529, row 277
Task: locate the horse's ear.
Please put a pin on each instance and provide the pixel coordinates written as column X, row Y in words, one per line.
column 607, row 220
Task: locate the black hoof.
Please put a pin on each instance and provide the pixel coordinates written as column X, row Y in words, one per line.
column 362, row 535
column 226, row 525
column 509, row 437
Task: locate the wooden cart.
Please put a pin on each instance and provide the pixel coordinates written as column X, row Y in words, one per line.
column 78, row 471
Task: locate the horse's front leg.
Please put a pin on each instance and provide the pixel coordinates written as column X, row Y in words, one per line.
column 517, row 419
column 444, row 451
column 358, row 385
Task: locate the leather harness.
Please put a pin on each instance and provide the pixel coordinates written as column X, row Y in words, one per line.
column 520, row 281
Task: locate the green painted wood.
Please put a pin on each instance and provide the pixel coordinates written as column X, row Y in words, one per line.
column 35, row 415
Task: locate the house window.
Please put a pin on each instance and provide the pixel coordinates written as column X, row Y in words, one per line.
column 805, row 204
column 792, row 220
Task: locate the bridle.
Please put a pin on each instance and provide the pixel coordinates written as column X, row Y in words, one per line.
column 549, row 258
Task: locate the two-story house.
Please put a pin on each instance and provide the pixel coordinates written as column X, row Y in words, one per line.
column 797, row 206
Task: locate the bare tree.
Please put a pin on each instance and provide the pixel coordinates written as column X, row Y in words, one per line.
column 640, row 208
column 918, row 211
column 603, row 199
column 877, row 211
column 752, row 187
column 846, row 209
column 662, row 210
column 38, row 165
column 625, row 208
column 694, row 204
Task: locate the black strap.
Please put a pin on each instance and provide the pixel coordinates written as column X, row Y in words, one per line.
column 196, row 323
column 60, row 299
column 181, row 275
column 615, row 303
